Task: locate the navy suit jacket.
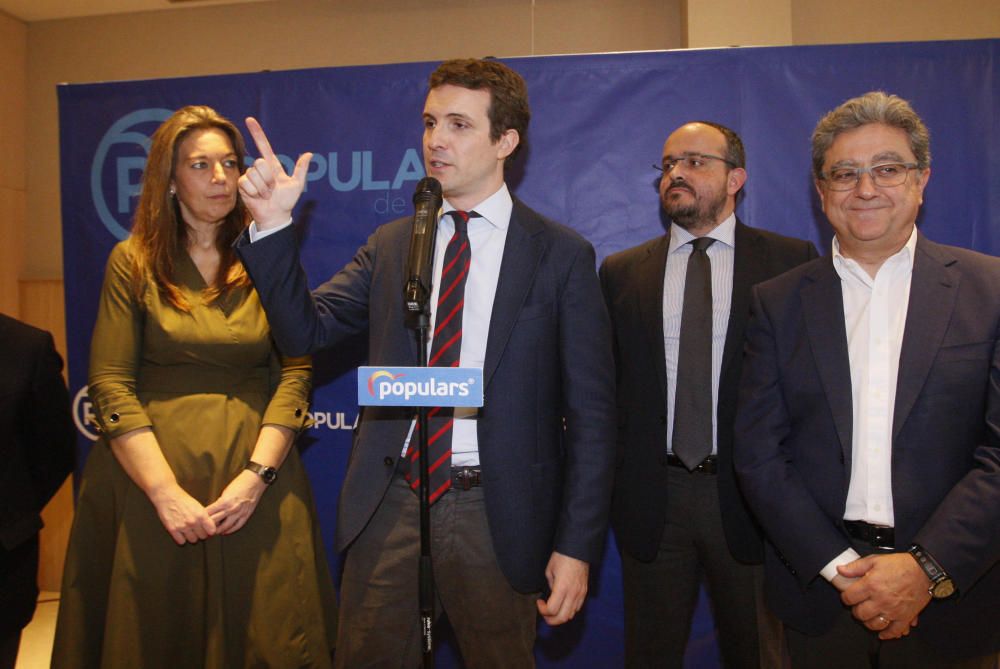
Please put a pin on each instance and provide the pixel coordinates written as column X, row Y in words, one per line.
column 546, row 430
column 794, row 426
column 633, row 287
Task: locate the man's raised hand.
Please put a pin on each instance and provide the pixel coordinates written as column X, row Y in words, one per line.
column 268, row 192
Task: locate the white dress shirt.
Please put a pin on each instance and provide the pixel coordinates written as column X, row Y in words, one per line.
column 875, row 317
column 721, row 255
column 487, row 239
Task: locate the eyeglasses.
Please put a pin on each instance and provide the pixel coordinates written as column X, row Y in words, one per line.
column 692, row 161
column 885, row 175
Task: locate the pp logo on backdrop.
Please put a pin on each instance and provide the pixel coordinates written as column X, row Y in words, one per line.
column 116, row 172
column 420, row 386
column 83, row 414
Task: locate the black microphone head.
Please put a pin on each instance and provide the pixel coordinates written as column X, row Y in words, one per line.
column 428, row 187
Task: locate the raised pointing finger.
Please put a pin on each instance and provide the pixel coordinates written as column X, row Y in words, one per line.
column 260, row 139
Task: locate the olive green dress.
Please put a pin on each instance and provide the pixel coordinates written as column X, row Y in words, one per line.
column 205, row 381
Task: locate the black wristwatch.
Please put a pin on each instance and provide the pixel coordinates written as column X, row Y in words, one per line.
column 941, row 584
column 267, row 474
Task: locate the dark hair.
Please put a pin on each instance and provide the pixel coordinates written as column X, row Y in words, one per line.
column 158, row 229
column 508, row 93
column 734, row 145
column 872, row 107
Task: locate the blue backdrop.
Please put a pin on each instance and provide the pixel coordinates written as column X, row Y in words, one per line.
column 599, row 122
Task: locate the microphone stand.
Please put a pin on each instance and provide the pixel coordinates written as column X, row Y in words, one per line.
column 417, row 296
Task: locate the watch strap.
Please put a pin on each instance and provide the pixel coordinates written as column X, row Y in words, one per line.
column 932, row 568
column 267, row 474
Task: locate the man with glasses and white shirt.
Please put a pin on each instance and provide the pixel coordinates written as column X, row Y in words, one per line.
column 868, row 430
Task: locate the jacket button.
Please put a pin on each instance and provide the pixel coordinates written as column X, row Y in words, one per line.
column 388, row 461
column 113, row 418
column 298, row 413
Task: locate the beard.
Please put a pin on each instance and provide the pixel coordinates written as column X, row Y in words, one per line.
column 700, row 212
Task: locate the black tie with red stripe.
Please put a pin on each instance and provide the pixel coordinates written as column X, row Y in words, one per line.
column 446, row 348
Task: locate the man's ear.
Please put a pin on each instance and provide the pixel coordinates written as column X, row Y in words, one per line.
column 735, row 180
column 508, row 141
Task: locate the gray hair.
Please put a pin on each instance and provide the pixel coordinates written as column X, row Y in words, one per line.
column 872, row 107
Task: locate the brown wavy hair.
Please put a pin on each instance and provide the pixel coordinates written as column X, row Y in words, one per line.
column 508, row 109
column 159, row 232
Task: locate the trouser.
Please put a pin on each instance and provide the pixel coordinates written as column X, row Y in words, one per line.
column 379, row 610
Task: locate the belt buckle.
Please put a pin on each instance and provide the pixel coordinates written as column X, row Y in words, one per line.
column 706, row 466
column 877, row 536
column 466, row 478
column 881, row 537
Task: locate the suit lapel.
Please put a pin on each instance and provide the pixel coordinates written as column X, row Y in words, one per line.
column 650, row 277
column 823, row 310
column 933, row 289
column 750, row 263
column 522, row 253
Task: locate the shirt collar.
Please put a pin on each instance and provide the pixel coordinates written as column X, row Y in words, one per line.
column 903, row 258
column 495, row 210
column 724, row 232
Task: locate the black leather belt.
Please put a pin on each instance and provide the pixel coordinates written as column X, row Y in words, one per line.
column 464, row 478
column 709, row 465
column 876, row 535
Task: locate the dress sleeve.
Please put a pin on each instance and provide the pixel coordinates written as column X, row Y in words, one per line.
column 291, row 382
column 115, row 350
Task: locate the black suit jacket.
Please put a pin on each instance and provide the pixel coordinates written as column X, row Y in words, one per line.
column 632, row 281
column 546, row 431
column 794, row 430
column 37, row 451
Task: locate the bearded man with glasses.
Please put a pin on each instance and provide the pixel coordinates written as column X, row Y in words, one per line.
column 679, row 307
column 868, row 430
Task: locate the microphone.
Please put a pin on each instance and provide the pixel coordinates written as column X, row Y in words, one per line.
column 427, row 202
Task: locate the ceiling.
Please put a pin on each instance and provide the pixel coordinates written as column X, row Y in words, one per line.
column 45, row 10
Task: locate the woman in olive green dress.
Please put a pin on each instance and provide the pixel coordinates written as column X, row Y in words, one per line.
column 195, row 542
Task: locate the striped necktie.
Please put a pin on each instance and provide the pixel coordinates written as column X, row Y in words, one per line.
column 446, row 348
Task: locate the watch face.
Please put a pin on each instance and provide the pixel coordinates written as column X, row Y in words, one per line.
column 943, row 588
column 269, row 474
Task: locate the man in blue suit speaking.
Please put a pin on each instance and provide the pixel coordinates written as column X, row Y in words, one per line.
column 524, row 507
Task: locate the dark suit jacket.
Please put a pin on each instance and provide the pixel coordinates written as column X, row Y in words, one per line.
column 37, row 451
column 793, row 444
column 633, row 287
column 546, row 431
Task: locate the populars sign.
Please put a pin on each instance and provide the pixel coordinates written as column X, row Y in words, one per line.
column 420, row 386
